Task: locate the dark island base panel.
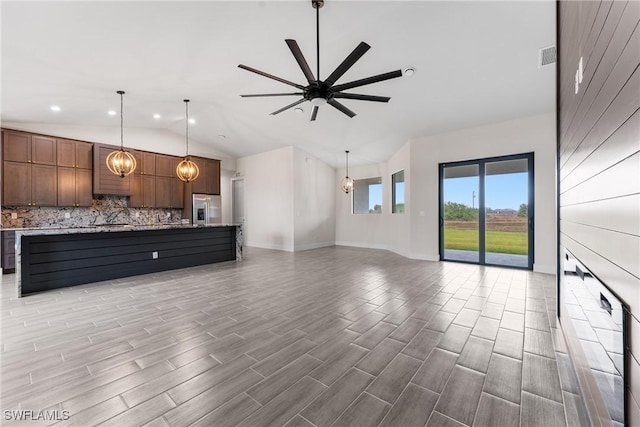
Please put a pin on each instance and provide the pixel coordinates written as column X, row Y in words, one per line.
column 62, row 260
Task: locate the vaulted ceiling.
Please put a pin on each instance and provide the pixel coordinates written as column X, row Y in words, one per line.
column 476, row 62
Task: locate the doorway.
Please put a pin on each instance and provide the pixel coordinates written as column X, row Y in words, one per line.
column 486, row 211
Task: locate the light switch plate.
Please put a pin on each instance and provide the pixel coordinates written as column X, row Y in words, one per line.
column 67, row 215
column 14, row 215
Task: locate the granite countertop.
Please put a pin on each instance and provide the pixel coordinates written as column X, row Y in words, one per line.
column 109, row 228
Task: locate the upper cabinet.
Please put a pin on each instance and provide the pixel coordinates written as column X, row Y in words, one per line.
column 146, row 162
column 29, row 169
column 208, row 181
column 74, row 154
column 165, row 165
column 28, row 148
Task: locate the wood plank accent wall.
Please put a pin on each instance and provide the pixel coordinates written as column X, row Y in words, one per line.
column 599, row 152
column 62, row 260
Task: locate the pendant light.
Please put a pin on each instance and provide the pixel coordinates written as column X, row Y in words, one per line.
column 121, row 162
column 187, row 170
column 346, row 184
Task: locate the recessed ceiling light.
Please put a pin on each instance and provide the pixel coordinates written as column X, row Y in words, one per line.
column 156, row 116
column 111, row 112
column 298, row 110
column 192, row 121
column 55, row 108
column 410, row 71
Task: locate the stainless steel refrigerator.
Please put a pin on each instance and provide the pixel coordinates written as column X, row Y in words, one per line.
column 206, row 209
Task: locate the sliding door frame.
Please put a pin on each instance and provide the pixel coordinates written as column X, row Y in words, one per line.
column 482, row 209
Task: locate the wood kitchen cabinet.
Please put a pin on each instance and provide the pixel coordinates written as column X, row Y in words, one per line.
column 166, row 165
column 74, row 154
column 169, row 192
column 177, row 194
column 143, row 191
column 28, row 148
column 74, row 187
column 28, row 184
column 208, row 182
column 105, row 182
column 75, row 174
column 146, row 162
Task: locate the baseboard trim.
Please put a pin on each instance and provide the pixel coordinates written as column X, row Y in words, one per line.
column 425, row 257
column 308, row 246
column 268, row 246
column 362, row 245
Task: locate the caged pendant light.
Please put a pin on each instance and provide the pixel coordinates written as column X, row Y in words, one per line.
column 121, row 162
column 187, row 170
column 346, row 184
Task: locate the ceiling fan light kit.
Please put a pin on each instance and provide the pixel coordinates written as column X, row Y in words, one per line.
column 320, row 92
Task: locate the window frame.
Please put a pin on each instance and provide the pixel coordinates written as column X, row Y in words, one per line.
column 353, row 195
column 393, row 192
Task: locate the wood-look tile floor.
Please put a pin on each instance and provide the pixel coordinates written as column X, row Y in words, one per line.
column 327, row 337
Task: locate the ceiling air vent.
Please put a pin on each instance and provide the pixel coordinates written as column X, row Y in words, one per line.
column 546, row 56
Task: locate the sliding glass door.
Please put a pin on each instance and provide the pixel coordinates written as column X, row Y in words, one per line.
column 486, row 211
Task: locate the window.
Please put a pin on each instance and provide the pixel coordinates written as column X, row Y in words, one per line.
column 397, row 192
column 367, row 196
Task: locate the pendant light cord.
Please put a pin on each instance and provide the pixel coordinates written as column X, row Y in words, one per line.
column 121, row 120
column 347, row 151
column 186, row 103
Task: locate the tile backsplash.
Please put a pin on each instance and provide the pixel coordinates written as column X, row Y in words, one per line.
column 104, row 210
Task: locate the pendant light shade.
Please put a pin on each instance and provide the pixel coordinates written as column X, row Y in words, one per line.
column 346, row 184
column 121, row 162
column 187, row 170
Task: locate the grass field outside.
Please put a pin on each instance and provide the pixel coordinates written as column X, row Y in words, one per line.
column 503, row 235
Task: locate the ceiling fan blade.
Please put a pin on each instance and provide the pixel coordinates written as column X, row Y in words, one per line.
column 353, row 57
column 368, row 81
column 262, row 73
column 341, row 107
column 288, row 106
column 271, row 94
column 361, row 97
column 314, row 113
column 297, row 53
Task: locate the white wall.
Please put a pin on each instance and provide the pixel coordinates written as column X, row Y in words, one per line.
column 314, row 202
column 362, row 230
column 268, row 195
column 155, row 140
column 415, row 234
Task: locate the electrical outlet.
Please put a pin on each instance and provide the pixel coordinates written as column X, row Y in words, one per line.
column 67, row 215
column 154, row 255
column 14, row 215
column 168, row 214
column 137, row 214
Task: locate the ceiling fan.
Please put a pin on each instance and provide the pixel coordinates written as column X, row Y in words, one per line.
column 320, row 92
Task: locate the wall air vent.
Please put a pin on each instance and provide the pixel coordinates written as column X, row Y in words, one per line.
column 547, row 56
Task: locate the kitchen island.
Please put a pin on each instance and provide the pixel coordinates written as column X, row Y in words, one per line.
column 55, row 258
